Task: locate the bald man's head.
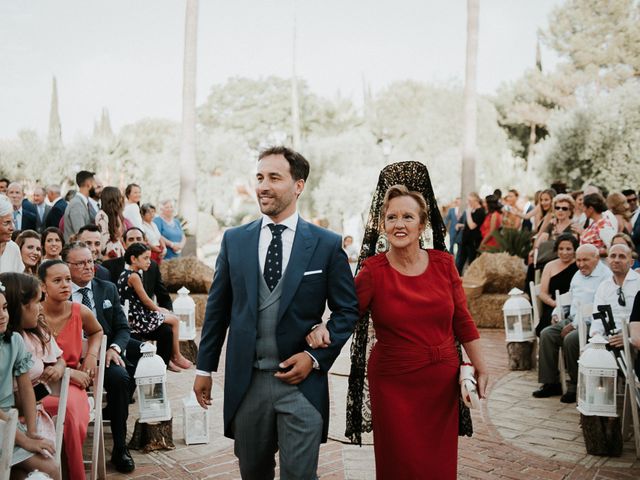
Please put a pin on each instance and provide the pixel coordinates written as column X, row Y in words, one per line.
column 620, row 259
column 587, row 258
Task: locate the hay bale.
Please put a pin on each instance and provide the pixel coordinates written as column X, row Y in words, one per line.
column 200, row 300
column 186, row 272
column 486, row 309
column 498, row 272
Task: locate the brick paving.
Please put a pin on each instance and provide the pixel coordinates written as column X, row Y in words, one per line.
column 516, row 436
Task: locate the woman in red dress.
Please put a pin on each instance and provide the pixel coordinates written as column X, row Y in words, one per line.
column 67, row 321
column 418, row 308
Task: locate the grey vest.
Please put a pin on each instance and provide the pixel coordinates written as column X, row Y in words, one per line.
column 267, row 356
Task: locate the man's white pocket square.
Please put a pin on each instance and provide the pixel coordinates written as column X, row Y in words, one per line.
column 106, row 304
column 312, row 272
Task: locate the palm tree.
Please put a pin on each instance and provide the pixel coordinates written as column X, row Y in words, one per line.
column 469, row 149
column 188, row 201
column 295, row 109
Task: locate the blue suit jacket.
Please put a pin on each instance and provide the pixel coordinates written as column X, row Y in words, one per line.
column 233, row 305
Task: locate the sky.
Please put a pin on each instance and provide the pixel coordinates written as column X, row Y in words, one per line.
column 127, row 55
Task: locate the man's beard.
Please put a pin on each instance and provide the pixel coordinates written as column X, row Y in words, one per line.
column 93, row 194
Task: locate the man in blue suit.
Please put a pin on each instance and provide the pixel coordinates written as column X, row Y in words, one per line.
column 272, row 281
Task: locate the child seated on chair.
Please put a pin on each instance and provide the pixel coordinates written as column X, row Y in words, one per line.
column 30, row 452
column 144, row 315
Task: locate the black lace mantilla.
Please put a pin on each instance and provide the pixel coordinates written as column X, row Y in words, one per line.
column 415, row 176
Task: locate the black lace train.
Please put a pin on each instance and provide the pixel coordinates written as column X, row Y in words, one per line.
column 415, row 176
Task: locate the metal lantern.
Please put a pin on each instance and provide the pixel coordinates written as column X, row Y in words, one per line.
column 151, row 379
column 196, row 421
column 597, row 376
column 518, row 318
column 185, row 309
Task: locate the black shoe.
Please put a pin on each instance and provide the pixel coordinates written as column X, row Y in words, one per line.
column 569, row 397
column 548, row 390
column 122, row 460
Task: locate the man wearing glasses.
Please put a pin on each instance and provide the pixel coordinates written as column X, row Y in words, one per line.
column 619, row 291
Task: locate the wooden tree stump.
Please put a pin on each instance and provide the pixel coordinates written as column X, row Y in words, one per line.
column 148, row 437
column 189, row 350
column 602, row 435
column 521, row 355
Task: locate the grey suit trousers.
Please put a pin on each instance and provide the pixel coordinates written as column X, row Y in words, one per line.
column 550, row 344
column 276, row 416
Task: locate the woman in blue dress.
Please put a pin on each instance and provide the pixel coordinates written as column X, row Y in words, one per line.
column 170, row 229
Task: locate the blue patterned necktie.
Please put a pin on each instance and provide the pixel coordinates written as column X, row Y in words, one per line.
column 86, row 301
column 273, row 261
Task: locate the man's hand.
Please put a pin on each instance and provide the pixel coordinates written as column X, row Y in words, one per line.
column 113, row 356
column 301, row 364
column 318, row 337
column 616, row 341
column 202, row 388
column 566, row 330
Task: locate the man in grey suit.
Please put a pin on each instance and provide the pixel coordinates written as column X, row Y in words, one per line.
column 272, row 280
column 79, row 212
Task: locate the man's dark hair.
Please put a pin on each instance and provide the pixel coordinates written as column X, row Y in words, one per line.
column 134, row 228
column 625, row 192
column 82, row 176
column 559, row 186
column 89, row 227
column 298, row 165
column 596, row 201
column 5, row 180
column 75, row 245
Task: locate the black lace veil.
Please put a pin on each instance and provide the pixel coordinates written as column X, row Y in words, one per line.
column 415, row 176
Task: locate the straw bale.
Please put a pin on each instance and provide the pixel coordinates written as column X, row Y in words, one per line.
column 200, row 300
column 486, row 309
column 186, row 272
column 498, row 272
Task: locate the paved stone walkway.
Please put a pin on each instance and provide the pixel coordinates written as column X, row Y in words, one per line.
column 516, row 437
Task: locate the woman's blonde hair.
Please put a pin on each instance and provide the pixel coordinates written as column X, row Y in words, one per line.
column 564, row 197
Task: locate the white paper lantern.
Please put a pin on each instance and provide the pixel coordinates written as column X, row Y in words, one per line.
column 196, row 421
column 597, row 377
column 185, row 309
column 151, row 380
column 518, row 318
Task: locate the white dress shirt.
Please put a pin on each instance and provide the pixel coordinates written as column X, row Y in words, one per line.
column 607, row 294
column 583, row 289
column 288, row 235
column 76, row 296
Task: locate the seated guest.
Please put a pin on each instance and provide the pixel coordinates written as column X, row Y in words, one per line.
column 30, row 451
column 102, row 298
column 556, row 276
column 145, row 316
column 10, row 258
column 591, row 273
column 600, row 230
column 625, row 239
column 52, row 243
column 30, row 250
column 48, row 365
column 170, row 229
column 110, row 221
column 133, row 194
column 150, row 229
column 58, row 206
column 67, row 321
column 90, row 236
column 619, row 290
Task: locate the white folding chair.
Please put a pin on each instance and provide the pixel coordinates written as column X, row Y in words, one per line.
column 7, row 440
column 98, row 462
column 584, row 312
column 61, row 390
column 631, row 392
column 535, row 302
column 562, row 300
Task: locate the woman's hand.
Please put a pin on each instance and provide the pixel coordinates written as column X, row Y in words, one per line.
column 483, row 379
column 37, row 444
column 90, row 364
column 318, row 337
column 81, row 379
column 52, row 373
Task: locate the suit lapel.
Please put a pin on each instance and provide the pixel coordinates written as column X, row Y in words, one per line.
column 251, row 267
column 303, row 246
column 98, row 298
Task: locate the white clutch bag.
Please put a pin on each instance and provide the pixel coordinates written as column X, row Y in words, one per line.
column 468, row 386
